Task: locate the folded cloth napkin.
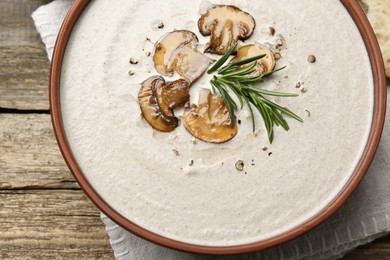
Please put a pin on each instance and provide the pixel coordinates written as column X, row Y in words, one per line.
column 363, row 218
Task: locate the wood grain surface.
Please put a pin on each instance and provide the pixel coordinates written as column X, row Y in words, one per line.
column 49, row 224
column 43, row 213
column 30, row 157
column 24, row 67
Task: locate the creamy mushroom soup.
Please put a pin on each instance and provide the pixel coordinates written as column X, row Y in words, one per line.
column 246, row 189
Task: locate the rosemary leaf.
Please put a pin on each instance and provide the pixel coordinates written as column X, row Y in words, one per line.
column 222, row 60
column 273, row 71
column 272, row 93
column 242, row 72
column 236, row 91
column 236, row 64
column 252, row 115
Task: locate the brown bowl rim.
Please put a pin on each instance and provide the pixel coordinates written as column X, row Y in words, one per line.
column 376, row 130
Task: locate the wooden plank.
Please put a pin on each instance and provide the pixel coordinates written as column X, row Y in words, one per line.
column 29, row 154
column 51, row 224
column 378, row 250
column 24, row 73
column 16, row 25
column 42, row 212
column 24, row 67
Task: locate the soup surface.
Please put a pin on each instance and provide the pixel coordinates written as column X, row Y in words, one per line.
column 189, row 190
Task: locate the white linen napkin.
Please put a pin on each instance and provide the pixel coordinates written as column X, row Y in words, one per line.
column 363, row 218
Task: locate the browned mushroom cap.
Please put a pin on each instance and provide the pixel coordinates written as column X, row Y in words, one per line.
column 176, row 51
column 263, row 65
column 210, row 120
column 156, row 110
column 172, row 95
column 226, row 24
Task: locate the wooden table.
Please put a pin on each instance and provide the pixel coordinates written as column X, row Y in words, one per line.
column 43, row 212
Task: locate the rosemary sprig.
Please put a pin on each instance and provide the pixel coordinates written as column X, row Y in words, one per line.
column 235, row 78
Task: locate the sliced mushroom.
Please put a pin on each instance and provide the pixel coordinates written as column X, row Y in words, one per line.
column 263, row 65
column 210, row 120
column 172, row 95
column 226, row 24
column 157, row 101
column 176, row 51
column 165, row 49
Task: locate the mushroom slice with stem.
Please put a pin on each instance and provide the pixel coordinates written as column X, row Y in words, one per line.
column 210, row 120
column 176, row 51
column 226, row 24
column 263, row 65
column 150, row 108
